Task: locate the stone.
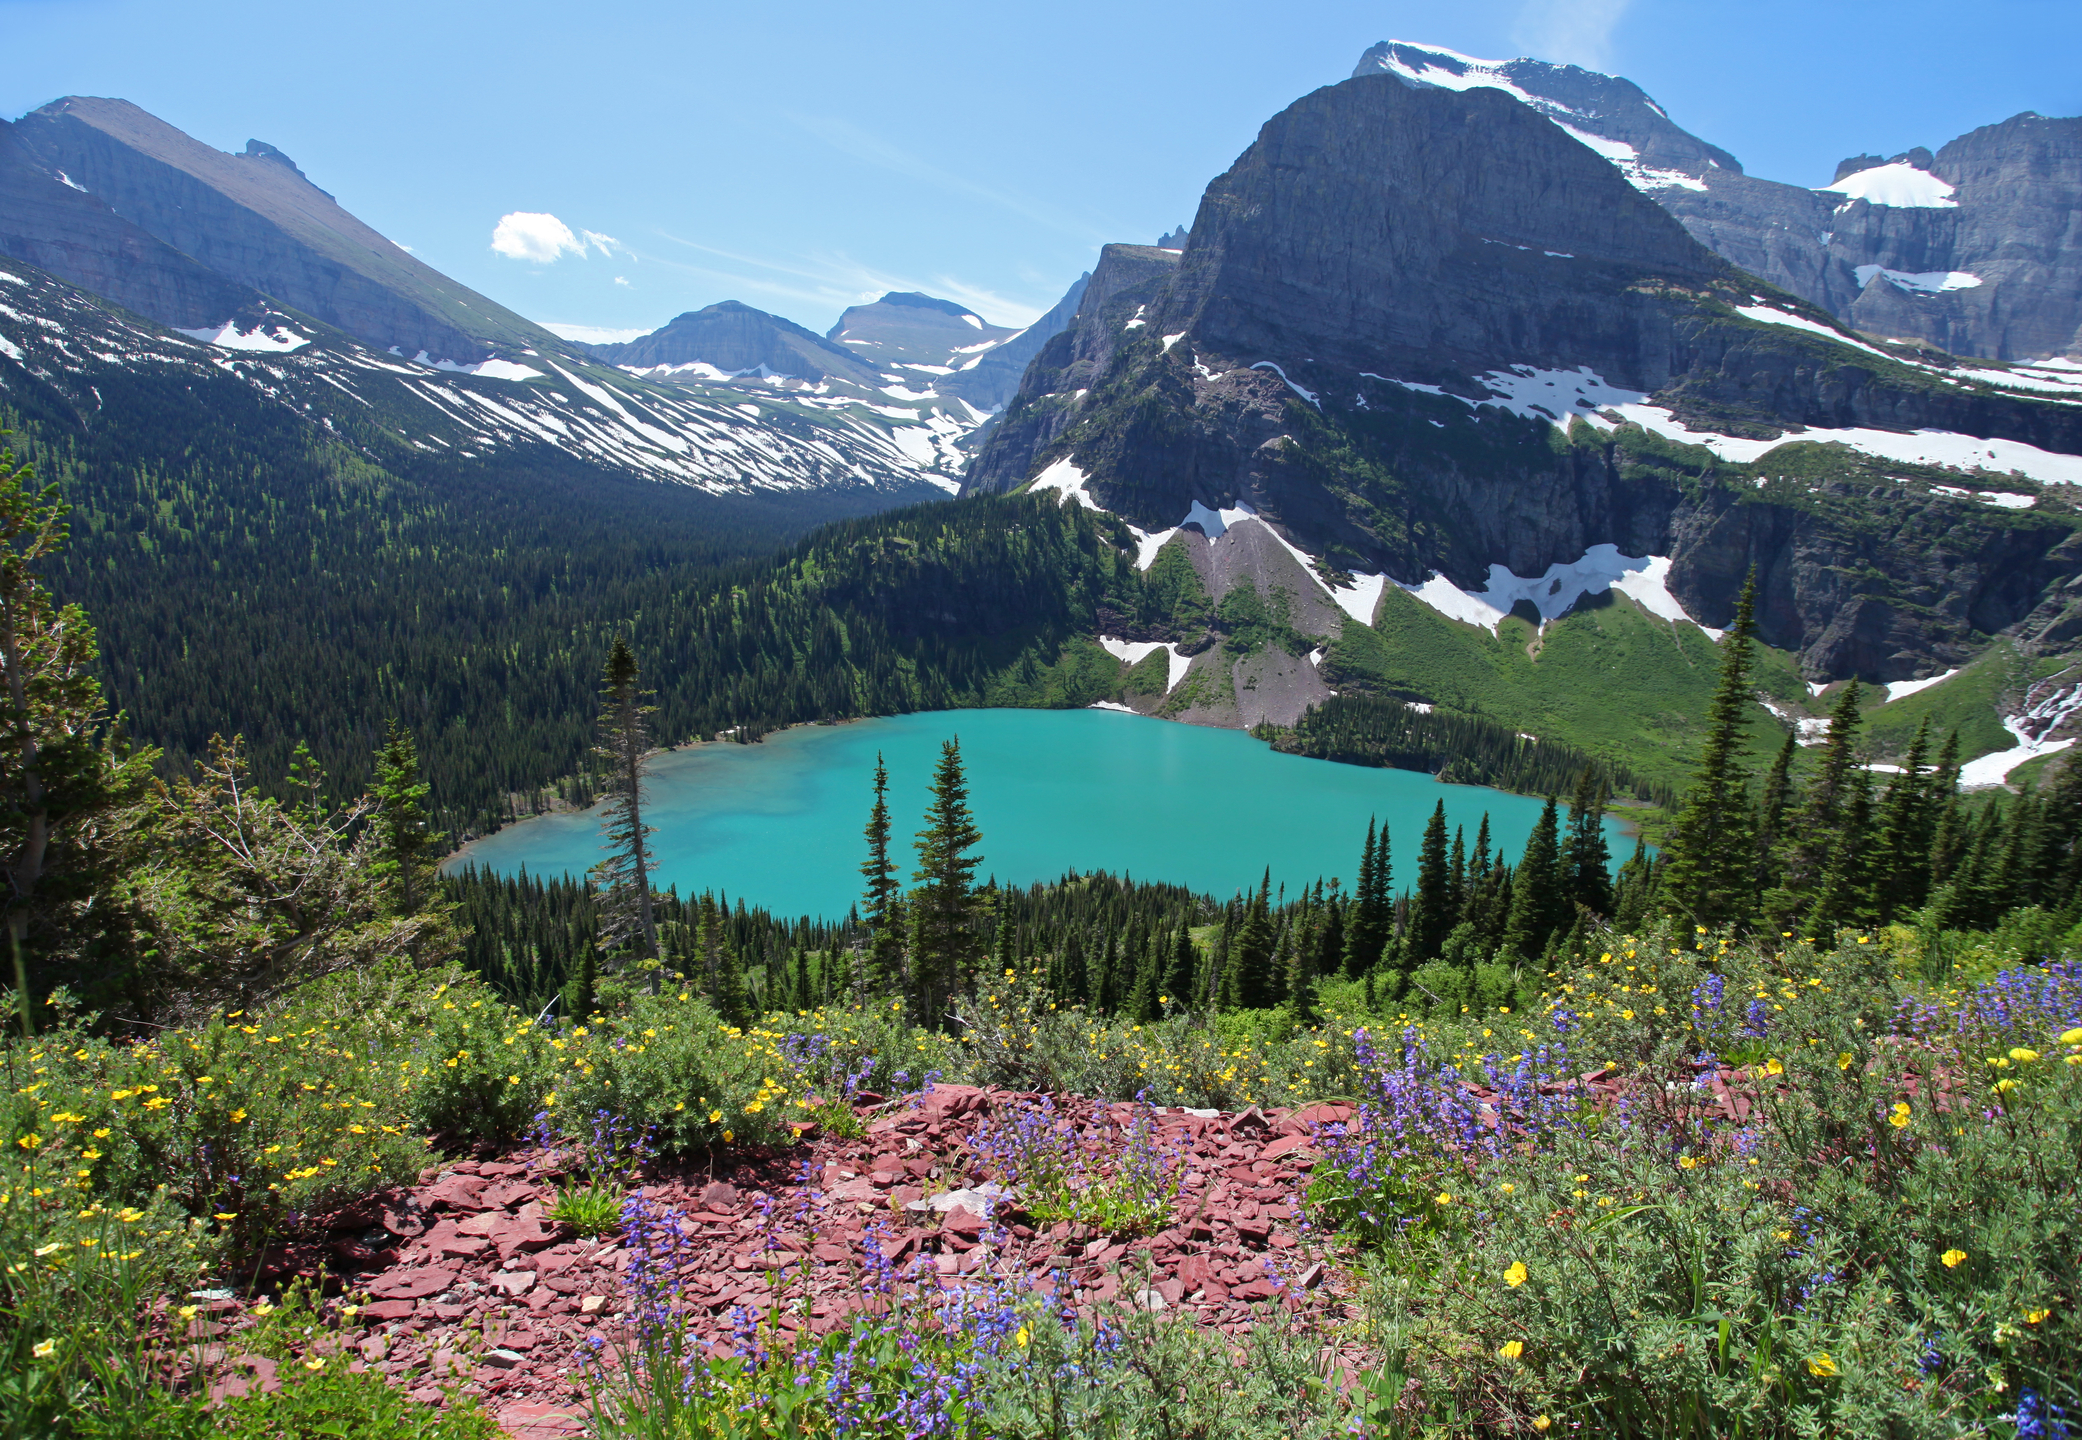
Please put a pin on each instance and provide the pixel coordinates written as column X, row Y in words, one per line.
column 411, row 1284
column 377, row 1312
column 514, row 1282
column 592, row 1304
column 504, row 1359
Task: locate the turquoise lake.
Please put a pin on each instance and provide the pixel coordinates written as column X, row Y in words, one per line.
column 778, row 824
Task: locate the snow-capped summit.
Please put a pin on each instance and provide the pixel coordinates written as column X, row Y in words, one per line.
column 1989, row 214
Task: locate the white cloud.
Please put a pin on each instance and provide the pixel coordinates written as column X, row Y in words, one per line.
column 831, row 282
column 621, row 279
column 592, row 334
column 1569, row 32
column 542, row 238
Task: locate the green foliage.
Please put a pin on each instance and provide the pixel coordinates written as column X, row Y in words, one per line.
column 1849, row 1258
column 590, row 1208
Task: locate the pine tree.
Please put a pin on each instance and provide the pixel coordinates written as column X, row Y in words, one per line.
column 1585, row 861
column 1901, row 858
column 625, row 875
column 53, row 777
column 1250, row 973
column 1431, row 913
column 945, row 946
column 883, row 898
column 1371, row 924
column 1709, row 867
column 1815, row 832
column 404, row 844
column 1182, row 971
column 1771, row 813
column 1537, row 897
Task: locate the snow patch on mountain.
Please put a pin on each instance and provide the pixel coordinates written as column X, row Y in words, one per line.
column 1898, row 689
column 1921, row 282
column 1900, row 185
column 1133, row 651
column 280, row 341
column 1771, row 315
column 1066, row 478
column 1643, row 579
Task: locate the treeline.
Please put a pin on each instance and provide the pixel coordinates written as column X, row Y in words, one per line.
column 251, row 578
column 1838, row 849
column 1471, row 927
column 1458, row 749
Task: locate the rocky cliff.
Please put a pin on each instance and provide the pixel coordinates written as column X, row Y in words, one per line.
column 258, row 223
column 48, row 220
column 1432, row 341
column 1976, row 249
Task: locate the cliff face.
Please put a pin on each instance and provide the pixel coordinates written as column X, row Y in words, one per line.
column 1976, row 249
column 59, row 227
column 1424, row 331
column 258, row 223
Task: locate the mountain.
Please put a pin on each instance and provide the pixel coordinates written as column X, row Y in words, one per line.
column 729, row 339
column 935, row 413
column 1973, row 249
column 50, row 221
column 915, row 332
column 1430, row 368
column 255, row 219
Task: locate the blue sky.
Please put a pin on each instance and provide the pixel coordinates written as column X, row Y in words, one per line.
column 802, row 157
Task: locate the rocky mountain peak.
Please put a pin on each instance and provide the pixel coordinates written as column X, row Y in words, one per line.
column 256, row 221
column 2001, row 276
column 905, row 327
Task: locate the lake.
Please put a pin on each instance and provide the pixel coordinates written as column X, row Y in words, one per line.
column 778, row 824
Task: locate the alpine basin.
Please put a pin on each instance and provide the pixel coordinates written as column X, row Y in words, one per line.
column 779, row 824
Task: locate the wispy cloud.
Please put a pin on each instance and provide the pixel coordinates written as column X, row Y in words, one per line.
column 1569, row 32
column 850, row 139
column 542, row 238
column 834, row 281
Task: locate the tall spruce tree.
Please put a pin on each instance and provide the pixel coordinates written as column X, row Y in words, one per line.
column 883, row 898
column 1901, row 859
column 625, row 875
column 1816, row 830
column 405, row 845
column 1538, row 900
column 1708, row 872
column 1431, row 912
column 945, row 946
column 1586, row 862
column 1181, row 971
column 1250, row 981
column 1372, row 922
column 1771, row 814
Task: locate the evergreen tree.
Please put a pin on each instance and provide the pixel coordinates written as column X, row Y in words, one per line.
column 405, row 846
column 1372, row 922
column 1431, row 913
column 55, row 782
column 945, row 946
column 625, row 875
column 1771, row 813
column 1901, row 859
column 1816, row 831
column 883, row 898
column 1182, row 970
column 1537, row 898
column 1586, row 862
column 1250, row 973
column 1709, row 867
